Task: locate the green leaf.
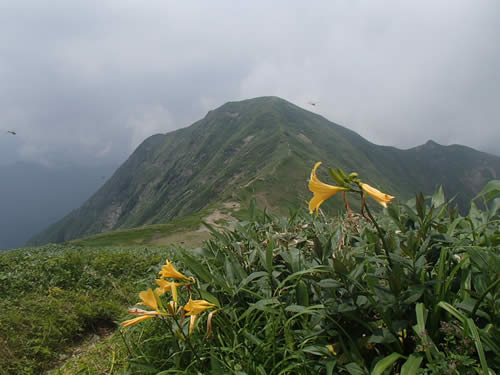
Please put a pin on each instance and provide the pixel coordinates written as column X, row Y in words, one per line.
column 382, row 336
column 384, row 363
column 252, row 338
column 229, row 271
column 302, row 293
column 490, row 190
column 316, row 350
column 393, row 211
column 269, row 255
column 209, row 297
column 420, row 330
column 202, row 272
column 495, row 207
column 251, row 277
column 355, row 369
column 420, row 205
column 267, row 305
column 412, row 364
column 252, row 209
column 339, row 266
column 414, row 293
column 295, row 308
column 329, row 283
column 438, row 197
column 453, row 311
column 477, row 341
column 330, row 366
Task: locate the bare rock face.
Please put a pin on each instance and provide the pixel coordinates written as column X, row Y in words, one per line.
column 476, row 178
column 302, row 137
column 111, row 216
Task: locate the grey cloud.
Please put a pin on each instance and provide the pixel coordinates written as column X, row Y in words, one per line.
column 85, row 82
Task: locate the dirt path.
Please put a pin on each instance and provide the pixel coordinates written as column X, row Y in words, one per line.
column 195, row 238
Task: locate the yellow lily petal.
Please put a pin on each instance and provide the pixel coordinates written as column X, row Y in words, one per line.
column 133, row 322
column 331, row 349
column 380, row 197
column 165, row 286
column 168, row 270
column 321, row 190
column 191, row 323
column 141, row 312
column 174, row 294
column 148, row 298
column 194, row 307
column 209, row 322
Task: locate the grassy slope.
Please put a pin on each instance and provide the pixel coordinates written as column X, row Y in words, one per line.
column 56, row 297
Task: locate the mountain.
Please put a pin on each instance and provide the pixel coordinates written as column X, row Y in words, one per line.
column 263, row 148
column 33, row 196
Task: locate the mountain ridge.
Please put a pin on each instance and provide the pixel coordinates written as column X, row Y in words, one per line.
column 265, row 148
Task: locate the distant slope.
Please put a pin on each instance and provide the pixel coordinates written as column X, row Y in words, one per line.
column 33, row 196
column 263, row 148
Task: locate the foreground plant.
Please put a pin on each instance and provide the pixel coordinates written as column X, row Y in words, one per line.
column 349, row 183
column 385, row 294
column 152, row 299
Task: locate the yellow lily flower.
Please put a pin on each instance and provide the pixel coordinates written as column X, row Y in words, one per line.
column 191, row 323
column 166, row 286
column 194, row 307
column 133, row 322
column 380, row 197
column 168, row 270
column 321, row 190
column 148, row 299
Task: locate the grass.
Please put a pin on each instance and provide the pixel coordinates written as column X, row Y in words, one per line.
column 55, row 297
column 182, row 231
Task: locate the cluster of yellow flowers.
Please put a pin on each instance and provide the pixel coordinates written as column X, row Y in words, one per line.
column 324, row 191
column 151, row 298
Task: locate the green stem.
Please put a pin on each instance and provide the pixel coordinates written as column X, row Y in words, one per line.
column 126, row 344
column 381, row 235
column 348, row 208
column 171, row 331
column 188, row 341
column 476, row 306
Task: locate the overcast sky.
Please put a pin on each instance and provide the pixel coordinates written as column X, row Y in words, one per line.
column 87, row 81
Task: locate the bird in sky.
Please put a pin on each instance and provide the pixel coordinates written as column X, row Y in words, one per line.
column 313, row 103
column 11, row 132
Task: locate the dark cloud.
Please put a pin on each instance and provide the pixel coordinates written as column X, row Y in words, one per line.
column 86, row 81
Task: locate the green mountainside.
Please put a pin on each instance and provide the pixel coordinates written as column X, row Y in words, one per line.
column 261, row 148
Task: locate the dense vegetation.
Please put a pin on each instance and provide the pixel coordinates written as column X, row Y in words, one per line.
column 295, row 295
column 312, row 295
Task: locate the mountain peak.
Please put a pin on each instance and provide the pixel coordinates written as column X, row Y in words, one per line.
column 431, row 143
column 261, row 148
